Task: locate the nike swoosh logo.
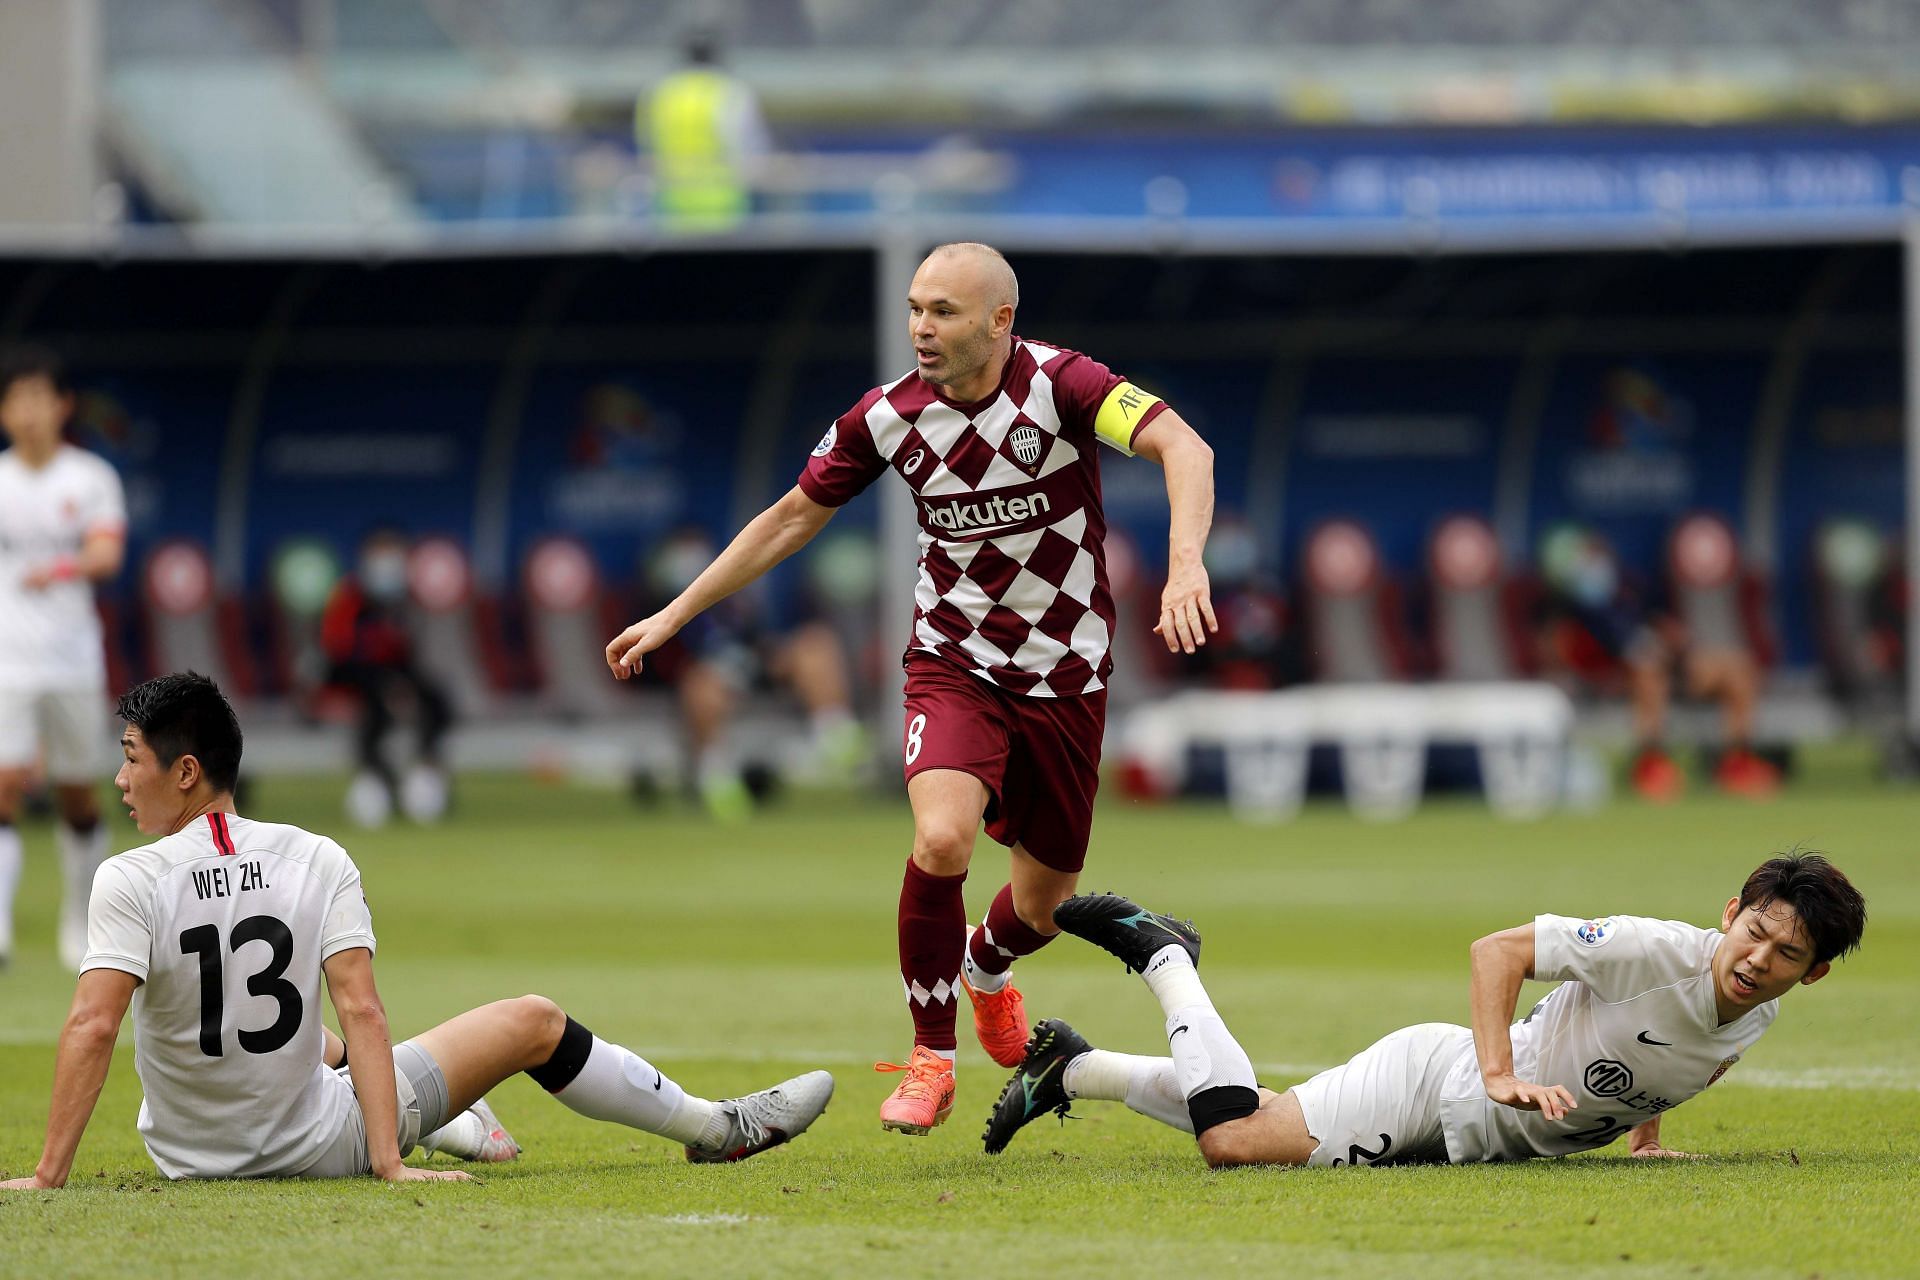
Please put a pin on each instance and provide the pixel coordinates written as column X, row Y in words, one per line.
column 1176, row 1031
column 657, row 1078
column 1644, row 1038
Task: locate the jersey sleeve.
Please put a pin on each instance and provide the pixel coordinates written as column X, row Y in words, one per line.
column 349, row 920
column 1092, row 398
column 118, row 935
column 1615, row 956
column 104, row 506
column 845, row 461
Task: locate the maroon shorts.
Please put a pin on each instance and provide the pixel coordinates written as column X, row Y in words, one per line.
column 1040, row 757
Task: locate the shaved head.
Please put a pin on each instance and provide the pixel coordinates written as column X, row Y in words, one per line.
column 991, row 272
column 960, row 317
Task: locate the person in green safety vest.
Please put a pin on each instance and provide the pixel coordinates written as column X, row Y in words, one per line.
column 704, row 129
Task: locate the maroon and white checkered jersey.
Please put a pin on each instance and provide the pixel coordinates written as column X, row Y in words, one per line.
column 1013, row 571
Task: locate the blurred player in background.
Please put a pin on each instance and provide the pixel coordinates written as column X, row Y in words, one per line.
column 370, row 653
column 1648, row 1013
column 735, row 648
column 1617, row 624
column 221, row 915
column 1013, row 620
column 63, row 522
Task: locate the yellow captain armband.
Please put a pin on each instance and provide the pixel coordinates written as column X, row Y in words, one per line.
column 1120, row 415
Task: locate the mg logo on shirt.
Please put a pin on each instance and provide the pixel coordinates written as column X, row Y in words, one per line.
column 1026, row 443
column 1607, row 1078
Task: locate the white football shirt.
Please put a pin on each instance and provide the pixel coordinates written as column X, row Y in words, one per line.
column 1631, row 1032
column 50, row 638
column 226, row 922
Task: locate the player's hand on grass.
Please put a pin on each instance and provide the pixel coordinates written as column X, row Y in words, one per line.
column 1186, row 609
column 643, row 637
column 33, row 1183
column 1550, row 1100
column 407, row 1173
column 1654, row 1151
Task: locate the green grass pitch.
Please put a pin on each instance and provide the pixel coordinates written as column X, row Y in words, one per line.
column 733, row 956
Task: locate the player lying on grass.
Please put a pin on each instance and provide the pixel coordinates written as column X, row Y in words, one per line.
column 219, row 932
column 1649, row 1012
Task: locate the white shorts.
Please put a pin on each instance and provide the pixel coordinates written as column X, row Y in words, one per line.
column 70, row 725
column 1383, row 1105
column 421, row 1090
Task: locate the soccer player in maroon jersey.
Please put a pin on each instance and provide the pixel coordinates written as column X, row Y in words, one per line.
column 1006, row 670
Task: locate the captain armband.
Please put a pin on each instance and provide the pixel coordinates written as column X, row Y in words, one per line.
column 1121, row 414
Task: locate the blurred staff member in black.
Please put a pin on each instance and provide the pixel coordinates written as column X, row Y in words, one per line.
column 370, row 653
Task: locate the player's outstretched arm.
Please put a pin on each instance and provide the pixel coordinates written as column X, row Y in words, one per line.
column 79, row 1070
column 1186, row 606
column 769, row 538
column 363, row 1024
column 1501, row 962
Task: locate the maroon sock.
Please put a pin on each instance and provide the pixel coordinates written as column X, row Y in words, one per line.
column 933, row 930
column 1004, row 937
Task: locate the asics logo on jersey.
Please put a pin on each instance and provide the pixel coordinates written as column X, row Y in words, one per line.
column 958, row 516
column 914, row 459
column 1646, row 1037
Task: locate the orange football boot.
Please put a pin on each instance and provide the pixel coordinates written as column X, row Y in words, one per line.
column 923, row 1099
column 1000, row 1020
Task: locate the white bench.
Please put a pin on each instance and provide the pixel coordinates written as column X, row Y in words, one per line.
column 1519, row 729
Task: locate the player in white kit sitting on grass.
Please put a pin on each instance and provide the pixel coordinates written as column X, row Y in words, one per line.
column 218, row 934
column 1648, row 1013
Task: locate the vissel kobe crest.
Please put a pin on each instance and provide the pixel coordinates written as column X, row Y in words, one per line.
column 1026, row 443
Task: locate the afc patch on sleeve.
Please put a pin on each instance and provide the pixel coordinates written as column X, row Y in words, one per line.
column 827, row 441
column 1593, row 933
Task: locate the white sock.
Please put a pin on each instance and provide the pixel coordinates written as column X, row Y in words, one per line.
column 1147, row 1085
column 619, row 1085
column 979, row 979
column 9, row 882
column 828, row 721
column 80, row 856
column 464, row 1136
column 1205, row 1054
column 1174, row 981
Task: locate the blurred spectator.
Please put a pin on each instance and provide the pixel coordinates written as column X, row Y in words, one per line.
column 704, row 128
column 737, row 648
column 1604, row 623
column 370, row 654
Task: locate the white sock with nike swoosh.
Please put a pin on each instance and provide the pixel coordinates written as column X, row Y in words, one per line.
column 619, row 1085
column 1205, row 1054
